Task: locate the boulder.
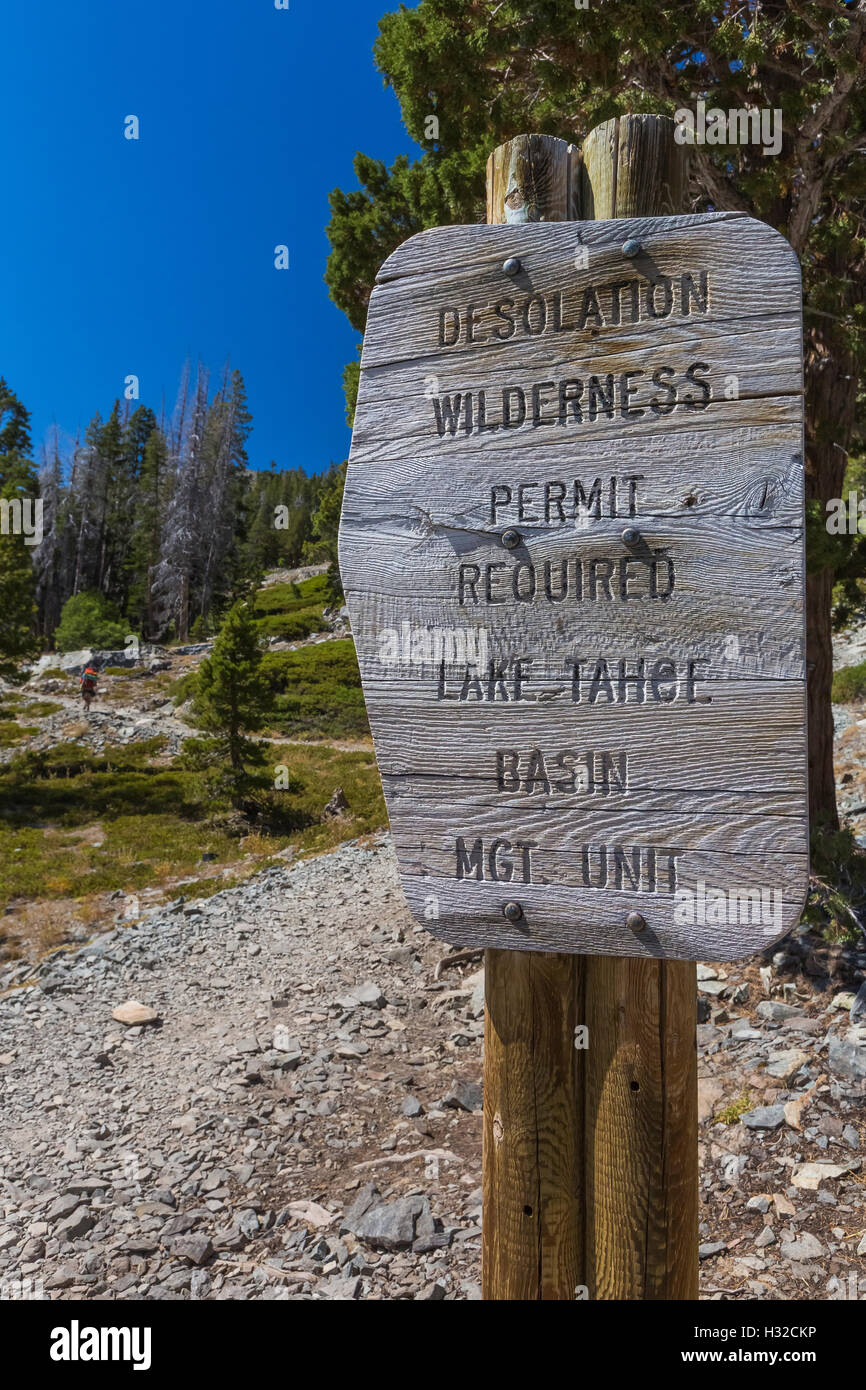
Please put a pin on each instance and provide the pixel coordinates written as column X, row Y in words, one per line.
column 133, row 1013
column 764, row 1117
column 848, row 1054
column 337, row 806
column 394, row 1225
column 464, row 1095
column 805, row 1247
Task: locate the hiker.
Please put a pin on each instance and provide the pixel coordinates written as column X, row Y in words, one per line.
column 89, row 681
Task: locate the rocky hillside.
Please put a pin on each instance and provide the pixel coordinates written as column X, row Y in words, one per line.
column 290, row 1107
column 102, row 815
column 275, row 1093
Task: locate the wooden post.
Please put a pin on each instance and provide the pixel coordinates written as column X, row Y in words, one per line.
column 590, row 1155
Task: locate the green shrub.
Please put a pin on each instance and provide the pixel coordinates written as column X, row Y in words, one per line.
column 184, row 688
column 317, row 691
column 199, row 754
column 90, row 620
column 278, row 598
column 31, row 709
column 732, row 1112
column 11, row 733
column 292, row 612
column 836, row 903
column 849, row 684
column 156, row 821
column 313, row 772
column 292, row 627
column 283, row 598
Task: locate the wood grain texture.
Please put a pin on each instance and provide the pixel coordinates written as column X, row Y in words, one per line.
column 518, row 536
column 533, row 1232
column 590, row 1154
column 737, row 608
column 750, row 272
column 532, row 178
column 558, row 914
column 640, row 1144
column 558, row 832
column 716, row 468
column 397, row 393
column 633, row 165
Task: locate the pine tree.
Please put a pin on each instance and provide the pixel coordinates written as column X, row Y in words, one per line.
column 169, row 524
column 232, row 700
column 280, row 507
column 48, row 556
column 186, row 514
column 147, row 529
column 14, row 436
column 117, row 471
column 18, row 486
column 325, row 527
column 392, row 204
column 89, row 619
column 487, row 74
column 260, row 549
column 125, row 501
column 88, row 502
column 223, row 484
column 18, row 642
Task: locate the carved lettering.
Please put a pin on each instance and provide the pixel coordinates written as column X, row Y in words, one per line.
column 573, row 772
column 601, row 579
column 637, row 681
column 631, row 868
column 625, row 396
column 503, row 861
column 583, row 309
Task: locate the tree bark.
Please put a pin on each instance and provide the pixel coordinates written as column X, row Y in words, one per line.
column 831, row 399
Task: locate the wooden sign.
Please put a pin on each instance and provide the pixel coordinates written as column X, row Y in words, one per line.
column 572, row 546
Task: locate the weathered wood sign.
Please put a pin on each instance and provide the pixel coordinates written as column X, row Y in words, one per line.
column 572, row 545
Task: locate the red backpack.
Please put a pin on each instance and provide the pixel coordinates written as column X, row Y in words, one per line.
column 88, row 680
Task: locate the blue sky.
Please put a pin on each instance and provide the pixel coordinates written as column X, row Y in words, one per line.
column 128, row 257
